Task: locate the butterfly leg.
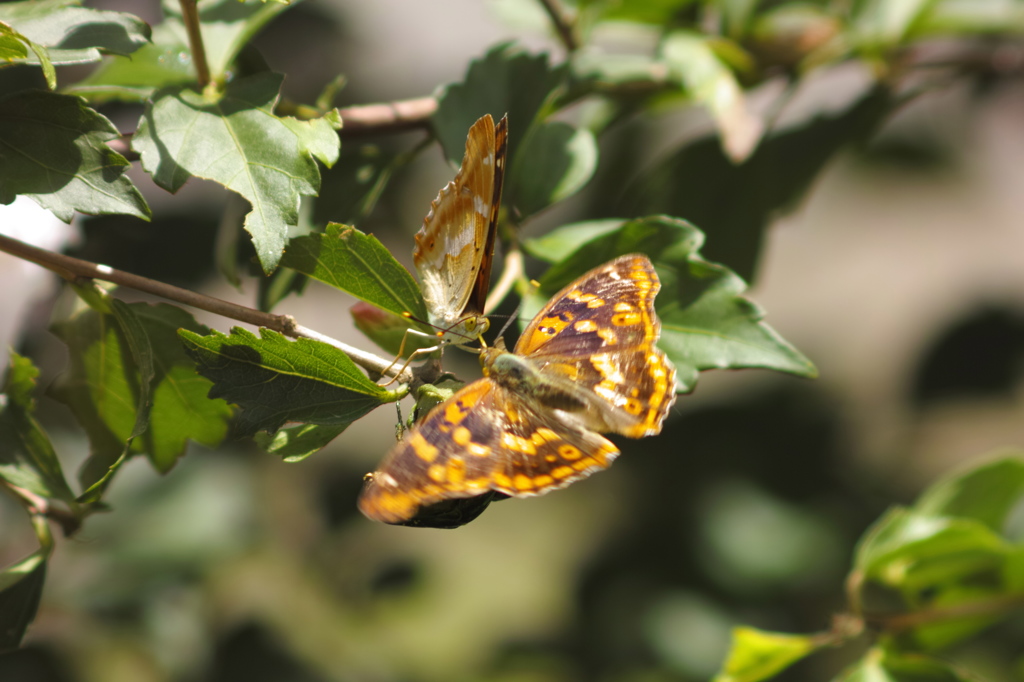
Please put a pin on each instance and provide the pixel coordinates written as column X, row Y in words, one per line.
column 412, row 356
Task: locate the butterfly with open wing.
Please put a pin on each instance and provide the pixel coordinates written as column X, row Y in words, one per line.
column 586, row 364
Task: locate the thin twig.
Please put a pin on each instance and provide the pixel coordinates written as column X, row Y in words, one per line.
column 509, row 275
column 563, row 25
column 71, row 268
column 41, row 506
column 190, row 16
column 390, row 117
column 987, row 607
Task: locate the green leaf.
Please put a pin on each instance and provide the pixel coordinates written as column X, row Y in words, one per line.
column 734, row 204
column 911, row 551
column 949, row 631
column 275, row 380
column 14, row 48
column 883, row 24
column 878, row 665
column 149, row 397
column 74, row 170
column 358, row 263
column 705, row 321
column 73, row 34
column 27, row 458
column 757, row 655
column 162, row 63
column 986, row 493
column 710, row 82
column 296, row 443
column 21, row 587
column 352, row 186
column 973, row 17
column 506, row 80
column 557, row 160
column 236, row 140
column 228, row 26
column 645, row 11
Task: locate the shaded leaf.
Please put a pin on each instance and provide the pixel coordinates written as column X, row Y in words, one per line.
column 27, row 458
column 758, row 655
column 296, row 443
column 705, row 321
column 74, row 170
column 275, row 380
column 236, row 140
column 710, row 82
column 734, row 204
column 878, row 665
column 73, row 34
column 21, row 587
column 228, row 26
column 882, row 24
column 505, row 80
column 358, row 263
column 557, row 160
column 646, row 11
column 118, row 399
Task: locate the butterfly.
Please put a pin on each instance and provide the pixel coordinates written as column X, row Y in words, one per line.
column 587, row 363
column 455, row 247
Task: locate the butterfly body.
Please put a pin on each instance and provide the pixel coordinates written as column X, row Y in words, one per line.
column 455, row 247
column 587, row 363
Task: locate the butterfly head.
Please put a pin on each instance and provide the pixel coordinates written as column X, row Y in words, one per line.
column 464, row 331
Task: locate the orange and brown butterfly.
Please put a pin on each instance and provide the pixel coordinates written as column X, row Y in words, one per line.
column 455, row 247
column 587, row 363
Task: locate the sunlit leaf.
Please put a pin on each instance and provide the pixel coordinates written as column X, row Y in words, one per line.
column 275, row 380
column 986, row 493
column 235, row 139
column 758, row 655
column 74, row 170
column 27, row 458
column 358, row 263
column 706, row 323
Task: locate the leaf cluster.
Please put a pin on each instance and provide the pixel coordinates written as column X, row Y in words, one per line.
column 145, row 380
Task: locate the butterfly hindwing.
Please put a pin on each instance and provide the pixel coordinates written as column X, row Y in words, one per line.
column 455, row 247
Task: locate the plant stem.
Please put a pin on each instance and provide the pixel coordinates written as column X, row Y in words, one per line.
column 511, row 273
column 389, row 117
column 42, row 507
column 987, row 607
column 563, row 25
column 71, row 268
column 190, row 15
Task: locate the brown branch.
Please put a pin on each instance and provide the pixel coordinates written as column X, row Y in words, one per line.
column 71, row 268
column 190, row 16
column 563, row 24
column 391, row 117
column 906, row 621
column 40, row 506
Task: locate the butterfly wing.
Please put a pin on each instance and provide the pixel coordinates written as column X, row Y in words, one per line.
column 598, row 336
column 482, row 439
column 455, row 247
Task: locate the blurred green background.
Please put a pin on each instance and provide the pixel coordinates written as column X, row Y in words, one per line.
column 901, row 276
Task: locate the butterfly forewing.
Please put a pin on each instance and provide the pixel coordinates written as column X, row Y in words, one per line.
column 600, row 333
